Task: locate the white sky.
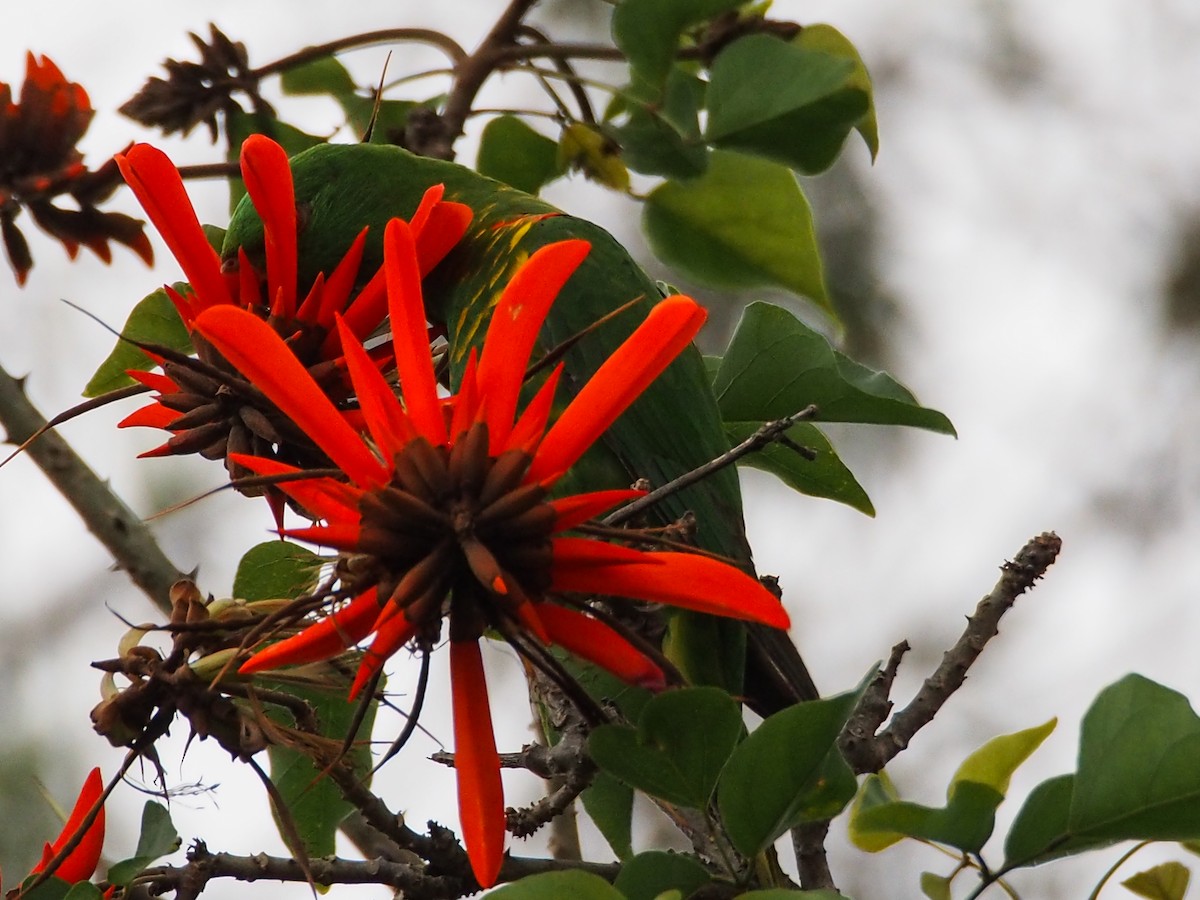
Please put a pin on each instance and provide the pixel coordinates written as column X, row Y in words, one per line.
column 1025, row 233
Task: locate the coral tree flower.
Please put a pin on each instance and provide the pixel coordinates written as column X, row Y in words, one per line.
column 207, row 406
column 38, row 162
column 448, row 514
column 80, row 863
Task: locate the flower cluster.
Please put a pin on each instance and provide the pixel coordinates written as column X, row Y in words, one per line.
column 447, row 514
column 39, row 162
column 202, row 401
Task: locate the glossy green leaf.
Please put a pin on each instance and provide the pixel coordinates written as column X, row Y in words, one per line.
column 1137, row 776
column 744, row 223
column 826, row 476
column 275, row 570
column 512, row 152
column 83, row 890
column 1168, row 881
column 776, row 365
column 312, row 799
column 157, row 838
column 609, row 803
column 664, row 138
column 801, row 121
column 321, row 76
column 57, row 889
column 556, row 885
column 649, row 875
column 682, row 740
column 649, row 31
column 1039, row 832
column 827, row 39
column 777, row 776
column 935, row 887
column 154, row 320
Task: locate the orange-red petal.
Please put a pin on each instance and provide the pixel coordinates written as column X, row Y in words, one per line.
column 341, row 283
column 329, row 637
column 385, row 418
column 264, row 359
column 158, row 187
column 477, row 764
column 687, row 580
column 81, row 862
column 514, row 328
column 152, row 416
column 394, row 632
column 594, row 641
column 410, row 336
column 324, row 497
column 268, row 180
column 578, row 508
column 531, row 426
column 664, row 334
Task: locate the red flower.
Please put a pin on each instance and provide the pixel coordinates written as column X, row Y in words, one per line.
column 447, row 512
column 209, row 408
column 80, row 863
column 37, row 145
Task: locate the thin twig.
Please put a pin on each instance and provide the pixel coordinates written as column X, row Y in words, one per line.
column 1017, row 576
column 107, row 517
column 447, row 45
column 767, row 433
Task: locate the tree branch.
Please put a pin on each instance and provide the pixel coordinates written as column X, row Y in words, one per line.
column 867, row 751
column 114, row 524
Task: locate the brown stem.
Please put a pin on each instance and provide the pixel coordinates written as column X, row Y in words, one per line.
column 414, row 35
column 107, row 517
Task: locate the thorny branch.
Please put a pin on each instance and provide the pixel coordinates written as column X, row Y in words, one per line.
column 867, row 751
column 113, row 523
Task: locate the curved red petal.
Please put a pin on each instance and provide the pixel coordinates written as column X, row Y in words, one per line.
column 268, row 180
column 338, row 535
column 477, row 764
column 664, row 334
column 385, row 418
column 583, row 553
column 578, row 508
column 156, row 381
column 594, row 641
column 438, row 226
column 326, row 497
column 159, row 189
column 514, row 328
column 362, row 316
column 81, row 862
column 686, row 580
column 341, row 283
column 393, row 634
column 329, row 637
column 466, row 403
column 531, row 426
column 264, row 359
column 410, row 336
column 152, row 416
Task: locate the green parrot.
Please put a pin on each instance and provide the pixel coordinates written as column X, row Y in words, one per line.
column 671, row 429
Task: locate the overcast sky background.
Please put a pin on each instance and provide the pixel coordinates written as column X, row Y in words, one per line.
column 1032, row 204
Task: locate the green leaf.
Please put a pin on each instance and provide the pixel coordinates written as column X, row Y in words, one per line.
column 682, row 740
column 664, row 139
column 556, row 885
column 84, row 890
column 321, row 76
column 51, row 889
column 744, row 223
column 154, row 320
column 648, row 31
column 275, row 570
column 312, row 799
column 778, row 776
column 975, row 791
column 776, row 365
column 512, row 152
column 876, row 790
column 609, row 802
column 785, row 894
column 826, row 476
column 802, row 121
column 935, row 887
column 157, row 839
column 1168, row 881
column 994, row 763
column 1039, row 832
column 650, row 874
column 827, row 39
